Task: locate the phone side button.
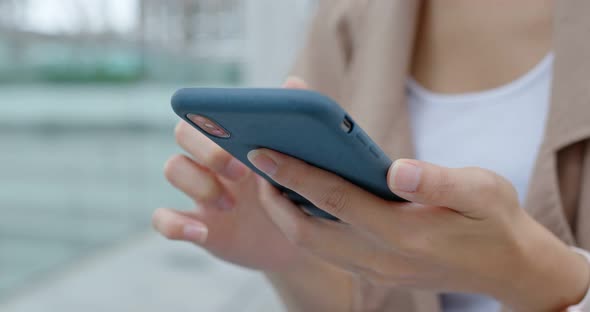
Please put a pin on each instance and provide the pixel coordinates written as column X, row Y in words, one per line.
column 374, row 152
column 361, row 138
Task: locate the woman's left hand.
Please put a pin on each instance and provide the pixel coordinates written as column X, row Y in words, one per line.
column 463, row 230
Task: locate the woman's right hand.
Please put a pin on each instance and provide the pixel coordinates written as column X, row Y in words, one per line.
column 229, row 220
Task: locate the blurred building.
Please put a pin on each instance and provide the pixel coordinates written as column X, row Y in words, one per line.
column 208, row 41
column 85, row 127
column 197, row 27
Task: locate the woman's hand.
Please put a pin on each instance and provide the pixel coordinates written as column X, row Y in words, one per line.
column 228, row 221
column 462, row 231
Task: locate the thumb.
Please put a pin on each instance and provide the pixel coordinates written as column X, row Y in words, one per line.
column 469, row 191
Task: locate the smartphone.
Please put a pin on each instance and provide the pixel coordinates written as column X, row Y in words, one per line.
column 300, row 123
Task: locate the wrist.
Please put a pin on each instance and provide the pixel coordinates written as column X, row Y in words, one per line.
column 313, row 285
column 584, row 305
column 548, row 276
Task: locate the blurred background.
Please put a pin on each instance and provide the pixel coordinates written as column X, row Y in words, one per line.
column 85, row 127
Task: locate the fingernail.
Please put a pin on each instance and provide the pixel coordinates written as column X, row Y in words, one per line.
column 294, row 82
column 234, row 169
column 405, row 176
column 195, row 233
column 225, row 203
column 263, row 162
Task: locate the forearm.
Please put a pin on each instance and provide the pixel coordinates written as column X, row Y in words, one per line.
column 313, row 286
column 553, row 278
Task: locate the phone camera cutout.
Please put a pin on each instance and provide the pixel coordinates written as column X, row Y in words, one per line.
column 346, row 125
column 209, row 126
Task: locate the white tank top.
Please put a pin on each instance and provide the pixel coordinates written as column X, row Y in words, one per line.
column 499, row 129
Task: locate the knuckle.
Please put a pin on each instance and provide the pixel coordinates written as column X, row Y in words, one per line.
column 167, row 232
column 391, row 271
column 299, row 233
column 488, row 182
column 217, row 159
column 445, row 186
column 335, row 200
column 407, row 279
column 292, row 179
column 209, row 191
column 265, row 196
column 417, row 245
column 406, row 245
column 156, row 219
column 377, row 279
column 497, row 188
column 196, row 182
column 378, row 274
column 159, row 224
column 374, row 260
column 171, row 167
column 180, row 131
column 445, row 180
column 206, row 187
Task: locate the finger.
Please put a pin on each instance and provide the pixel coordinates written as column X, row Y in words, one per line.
column 205, row 151
column 295, row 83
column 210, row 154
column 176, row 226
column 335, row 242
column 197, row 182
column 338, row 243
column 325, row 190
column 466, row 190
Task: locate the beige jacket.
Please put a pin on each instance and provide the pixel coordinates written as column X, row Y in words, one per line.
column 359, row 51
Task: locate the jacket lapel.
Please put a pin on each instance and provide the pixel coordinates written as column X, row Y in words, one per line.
column 569, row 117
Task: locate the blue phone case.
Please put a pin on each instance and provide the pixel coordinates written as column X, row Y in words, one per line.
column 303, row 124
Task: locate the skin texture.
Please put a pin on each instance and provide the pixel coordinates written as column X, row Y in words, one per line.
column 229, row 222
column 228, row 206
column 458, row 40
column 463, row 231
